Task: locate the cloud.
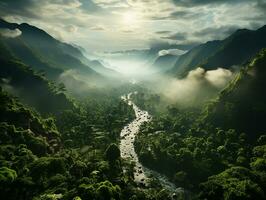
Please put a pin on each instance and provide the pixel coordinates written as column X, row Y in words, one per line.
column 10, row 33
column 176, row 36
column 75, row 82
column 180, row 22
column 111, row 3
column 261, row 4
column 162, row 32
column 186, row 45
column 185, row 14
column 88, row 6
column 33, row 8
column 69, row 3
column 215, row 32
column 175, row 52
column 198, row 87
column 225, row 30
column 71, row 28
column 171, row 44
column 98, row 28
column 191, row 3
column 219, row 78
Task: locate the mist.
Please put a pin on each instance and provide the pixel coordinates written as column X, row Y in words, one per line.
column 132, row 64
column 80, row 85
column 198, row 87
column 8, row 33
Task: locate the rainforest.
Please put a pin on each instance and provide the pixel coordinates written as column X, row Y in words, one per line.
column 132, row 100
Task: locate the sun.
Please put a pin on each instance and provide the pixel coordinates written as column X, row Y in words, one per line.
column 130, row 18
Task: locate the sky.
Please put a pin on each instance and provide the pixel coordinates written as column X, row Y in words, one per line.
column 114, row 25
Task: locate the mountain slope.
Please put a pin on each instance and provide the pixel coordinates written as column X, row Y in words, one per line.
column 33, row 89
column 37, row 48
column 164, row 63
column 194, row 57
column 238, row 48
column 242, row 105
column 98, row 67
column 234, row 50
column 22, row 125
column 50, row 49
column 25, row 54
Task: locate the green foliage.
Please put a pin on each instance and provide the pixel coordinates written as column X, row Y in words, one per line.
column 10, row 134
column 97, row 122
column 73, row 154
column 100, row 191
column 259, row 164
column 7, row 176
column 31, row 87
column 192, row 153
column 112, row 152
column 46, row 167
column 234, row 183
column 13, row 111
column 242, row 104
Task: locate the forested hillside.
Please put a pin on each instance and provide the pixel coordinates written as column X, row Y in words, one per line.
column 73, row 161
column 42, row 52
column 31, row 86
column 219, row 154
column 242, row 105
column 233, row 51
column 132, row 100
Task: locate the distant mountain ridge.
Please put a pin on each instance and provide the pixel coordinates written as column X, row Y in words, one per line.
column 164, row 63
column 43, row 52
column 236, row 49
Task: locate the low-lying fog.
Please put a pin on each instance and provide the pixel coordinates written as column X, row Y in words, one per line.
column 134, row 63
column 195, row 89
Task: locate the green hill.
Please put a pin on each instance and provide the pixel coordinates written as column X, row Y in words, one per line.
column 31, row 87
column 242, row 105
column 41, row 51
column 236, row 49
column 34, row 43
column 21, row 125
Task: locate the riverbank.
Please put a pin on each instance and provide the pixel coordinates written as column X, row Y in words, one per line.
column 142, row 175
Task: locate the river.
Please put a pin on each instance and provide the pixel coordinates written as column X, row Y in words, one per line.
column 128, row 134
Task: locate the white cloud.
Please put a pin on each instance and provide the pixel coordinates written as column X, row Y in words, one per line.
column 111, row 3
column 175, row 52
column 98, row 28
column 10, row 33
column 218, row 77
column 71, row 28
column 196, row 88
column 70, row 21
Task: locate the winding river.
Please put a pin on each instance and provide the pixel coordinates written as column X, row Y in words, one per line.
column 141, row 173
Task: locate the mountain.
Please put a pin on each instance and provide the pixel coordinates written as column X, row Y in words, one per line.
column 144, row 57
column 41, row 51
column 164, row 63
column 31, row 87
column 26, row 54
column 237, row 49
column 98, row 67
column 195, row 57
column 242, row 105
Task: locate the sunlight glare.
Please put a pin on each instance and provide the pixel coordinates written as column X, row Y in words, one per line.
column 129, row 18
